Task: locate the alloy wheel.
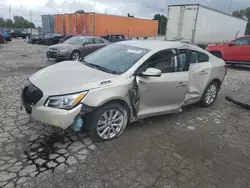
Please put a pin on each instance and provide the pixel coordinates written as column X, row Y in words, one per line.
column 110, row 124
column 75, row 56
column 211, row 94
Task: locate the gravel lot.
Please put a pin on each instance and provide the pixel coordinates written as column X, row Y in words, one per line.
column 201, row 147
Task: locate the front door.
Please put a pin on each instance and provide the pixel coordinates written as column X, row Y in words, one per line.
column 164, row 94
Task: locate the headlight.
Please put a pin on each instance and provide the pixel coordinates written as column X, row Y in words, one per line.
column 66, row 101
column 63, row 50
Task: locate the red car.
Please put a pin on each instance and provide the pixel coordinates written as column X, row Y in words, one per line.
column 1, row 38
column 236, row 51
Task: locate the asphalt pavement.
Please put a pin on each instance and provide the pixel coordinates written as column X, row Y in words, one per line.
column 200, row 147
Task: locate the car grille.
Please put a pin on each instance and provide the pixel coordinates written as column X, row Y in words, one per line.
column 52, row 54
column 31, row 94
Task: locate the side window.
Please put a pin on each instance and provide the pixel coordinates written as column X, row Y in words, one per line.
column 89, row 41
column 198, row 57
column 163, row 61
column 241, row 42
column 98, row 41
column 202, row 57
column 194, row 57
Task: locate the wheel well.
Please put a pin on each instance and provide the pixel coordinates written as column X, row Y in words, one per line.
column 122, row 103
column 75, row 51
column 217, row 81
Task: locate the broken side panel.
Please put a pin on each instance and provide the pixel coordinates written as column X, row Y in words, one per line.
column 134, row 97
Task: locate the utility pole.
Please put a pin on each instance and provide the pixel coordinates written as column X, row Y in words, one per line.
column 9, row 12
column 31, row 21
column 161, row 21
column 230, row 6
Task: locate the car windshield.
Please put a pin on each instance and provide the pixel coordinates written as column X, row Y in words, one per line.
column 116, row 58
column 75, row 40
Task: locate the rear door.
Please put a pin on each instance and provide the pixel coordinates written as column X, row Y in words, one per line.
column 238, row 50
column 99, row 43
column 164, row 94
column 199, row 74
column 87, row 48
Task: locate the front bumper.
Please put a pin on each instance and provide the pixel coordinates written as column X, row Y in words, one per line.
column 55, row 117
column 33, row 102
column 58, row 55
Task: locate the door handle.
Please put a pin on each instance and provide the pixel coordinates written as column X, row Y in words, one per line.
column 203, row 72
column 181, row 84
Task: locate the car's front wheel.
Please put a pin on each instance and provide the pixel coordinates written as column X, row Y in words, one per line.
column 75, row 56
column 210, row 94
column 107, row 122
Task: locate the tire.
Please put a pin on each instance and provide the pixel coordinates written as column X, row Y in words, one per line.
column 212, row 91
column 101, row 118
column 75, row 56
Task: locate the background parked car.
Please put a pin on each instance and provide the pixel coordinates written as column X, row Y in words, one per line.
column 114, row 38
column 35, row 38
column 234, row 52
column 19, row 33
column 76, row 47
column 50, row 39
column 65, row 38
column 1, row 38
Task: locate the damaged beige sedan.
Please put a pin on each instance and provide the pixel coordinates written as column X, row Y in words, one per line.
column 121, row 83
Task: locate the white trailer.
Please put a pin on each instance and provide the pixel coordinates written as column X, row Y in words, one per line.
column 202, row 25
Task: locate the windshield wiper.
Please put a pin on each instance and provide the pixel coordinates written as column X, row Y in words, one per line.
column 99, row 67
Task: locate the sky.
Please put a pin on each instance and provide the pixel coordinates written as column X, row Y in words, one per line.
column 138, row 8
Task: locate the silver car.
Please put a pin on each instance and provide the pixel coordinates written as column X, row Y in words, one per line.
column 121, row 83
column 76, row 47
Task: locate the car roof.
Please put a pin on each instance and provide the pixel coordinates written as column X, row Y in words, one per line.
column 86, row 36
column 159, row 45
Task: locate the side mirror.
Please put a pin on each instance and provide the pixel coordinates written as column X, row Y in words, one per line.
column 83, row 44
column 231, row 44
column 152, row 72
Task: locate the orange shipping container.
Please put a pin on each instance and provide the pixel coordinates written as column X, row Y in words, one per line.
column 102, row 24
column 59, row 23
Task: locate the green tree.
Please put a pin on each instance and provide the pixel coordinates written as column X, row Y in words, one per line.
column 20, row 22
column 2, row 24
column 8, row 23
column 244, row 13
column 162, row 23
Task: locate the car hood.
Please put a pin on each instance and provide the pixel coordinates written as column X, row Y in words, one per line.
column 63, row 46
column 69, row 77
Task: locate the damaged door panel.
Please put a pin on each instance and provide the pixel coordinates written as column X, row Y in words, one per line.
column 162, row 95
column 199, row 74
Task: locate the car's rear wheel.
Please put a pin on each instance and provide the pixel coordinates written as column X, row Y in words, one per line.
column 107, row 122
column 210, row 94
column 75, row 56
